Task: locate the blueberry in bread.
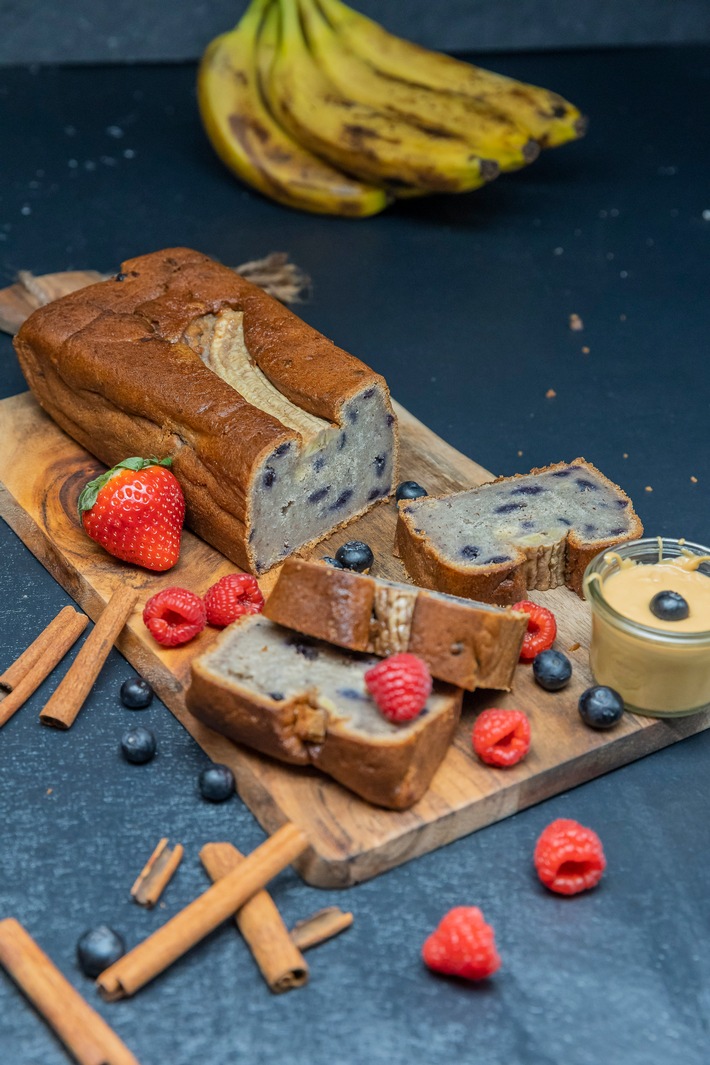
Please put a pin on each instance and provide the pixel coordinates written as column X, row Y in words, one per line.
column 530, row 531
column 276, row 435
column 304, row 702
column 472, row 645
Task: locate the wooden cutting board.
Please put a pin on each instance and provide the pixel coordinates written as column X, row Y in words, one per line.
column 41, row 474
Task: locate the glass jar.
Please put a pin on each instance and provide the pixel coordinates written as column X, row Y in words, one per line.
column 658, row 672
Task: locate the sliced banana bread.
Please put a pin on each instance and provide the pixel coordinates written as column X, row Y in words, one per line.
column 530, row 531
column 305, row 702
column 472, row 645
column 277, row 436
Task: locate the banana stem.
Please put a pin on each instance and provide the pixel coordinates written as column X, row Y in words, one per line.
column 252, row 17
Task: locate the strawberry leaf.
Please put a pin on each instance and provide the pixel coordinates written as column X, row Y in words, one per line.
column 90, row 492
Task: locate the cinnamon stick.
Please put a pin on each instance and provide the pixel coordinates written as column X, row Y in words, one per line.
column 281, row 963
column 200, row 917
column 156, row 873
column 37, row 649
column 320, row 926
column 84, row 1033
column 66, row 702
column 36, row 663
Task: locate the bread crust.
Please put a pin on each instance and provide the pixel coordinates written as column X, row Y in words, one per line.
column 108, row 364
column 464, row 645
column 507, row 582
column 393, row 772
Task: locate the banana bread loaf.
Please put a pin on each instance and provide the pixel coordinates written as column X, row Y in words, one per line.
column 277, row 436
column 530, row 531
column 472, row 645
column 305, row 702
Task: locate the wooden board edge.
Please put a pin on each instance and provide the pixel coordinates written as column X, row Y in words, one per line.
column 422, row 839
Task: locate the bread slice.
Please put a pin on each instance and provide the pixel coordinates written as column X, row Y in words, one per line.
column 277, row 436
column 305, row 702
column 530, row 531
column 472, row 645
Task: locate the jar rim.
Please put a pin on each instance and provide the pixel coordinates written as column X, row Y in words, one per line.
column 593, row 590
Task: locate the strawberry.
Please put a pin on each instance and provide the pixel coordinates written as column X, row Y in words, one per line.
column 135, row 511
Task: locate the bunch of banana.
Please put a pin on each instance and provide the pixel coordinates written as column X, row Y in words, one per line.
column 323, row 110
column 251, row 142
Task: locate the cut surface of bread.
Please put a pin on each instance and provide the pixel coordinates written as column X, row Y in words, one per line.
column 472, row 645
column 529, row 531
column 304, row 702
column 277, row 436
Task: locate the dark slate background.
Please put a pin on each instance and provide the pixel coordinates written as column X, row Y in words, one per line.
column 47, row 31
column 463, row 303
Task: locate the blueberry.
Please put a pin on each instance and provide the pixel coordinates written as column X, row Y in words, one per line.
column 409, row 490
column 319, row 494
column 552, row 670
column 216, row 783
column 333, row 562
column 136, row 693
column 670, row 606
column 601, row 707
column 379, row 462
column 342, row 499
column 470, row 552
column 138, row 745
column 305, row 647
column 98, row 948
column 355, row 555
column 507, row 508
column 268, row 477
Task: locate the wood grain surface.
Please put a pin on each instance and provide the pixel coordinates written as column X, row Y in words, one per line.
column 42, row 472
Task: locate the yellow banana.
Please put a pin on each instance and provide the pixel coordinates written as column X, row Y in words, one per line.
column 489, row 133
column 548, row 118
column 359, row 139
column 251, row 142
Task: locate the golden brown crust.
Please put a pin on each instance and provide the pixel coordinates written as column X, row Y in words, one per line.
column 107, row 363
column 465, row 646
column 393, row 772
column 506, row 582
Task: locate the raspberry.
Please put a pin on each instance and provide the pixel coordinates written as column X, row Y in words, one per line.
column 462, row 945
column 231, row 597
column 501, row 737
column 542, row 629
column 569, row 857
column 174, row 616
column 400, row 685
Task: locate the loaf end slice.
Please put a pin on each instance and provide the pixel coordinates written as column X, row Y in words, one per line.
column 531, row 531
column 304, row 702
column 471, row 645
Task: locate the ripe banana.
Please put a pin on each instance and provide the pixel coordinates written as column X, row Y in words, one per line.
column 487, row 131
column 548, row 118
column 360, row 139
column 251, row 142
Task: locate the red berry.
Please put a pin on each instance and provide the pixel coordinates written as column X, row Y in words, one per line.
column 542, row 629
column 174, row 616
column 501, row 737
column 231, row 597
column 135, row 511
column 569, row 857
column 400, row 685
column 462, row 945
